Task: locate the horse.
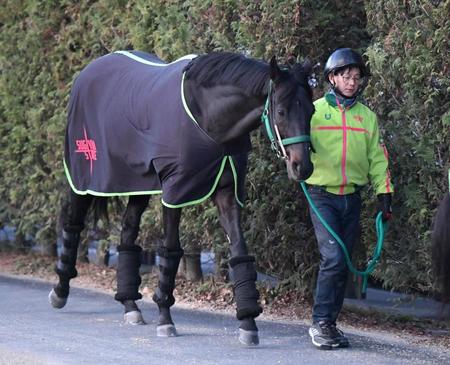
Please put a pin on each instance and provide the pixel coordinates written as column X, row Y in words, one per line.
column 441, row 247
column 138, row 126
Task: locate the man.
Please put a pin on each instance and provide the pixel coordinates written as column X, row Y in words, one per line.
column 348, row 155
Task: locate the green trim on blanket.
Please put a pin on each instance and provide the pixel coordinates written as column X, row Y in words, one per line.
column 154, row 192
column 186, row 107
column 187, row 57
column 96, row 193
column 158, row 64
column 191, row 116
column 216, row 182
column 235, row 177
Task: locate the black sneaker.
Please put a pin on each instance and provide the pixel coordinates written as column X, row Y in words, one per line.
column 323, row 335
column 339, row 336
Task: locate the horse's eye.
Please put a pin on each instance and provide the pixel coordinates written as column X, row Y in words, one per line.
column 280, row 112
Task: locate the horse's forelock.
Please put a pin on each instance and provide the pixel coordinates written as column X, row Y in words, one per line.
column 301, row 73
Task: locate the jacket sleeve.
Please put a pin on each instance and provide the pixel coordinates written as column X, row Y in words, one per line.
column 379, row 174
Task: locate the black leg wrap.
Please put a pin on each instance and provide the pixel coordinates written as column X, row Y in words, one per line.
column 62, row 291
column 245, row 293
column 65, row 267
column 128, row 277
column 65, row 273
column 168, row 267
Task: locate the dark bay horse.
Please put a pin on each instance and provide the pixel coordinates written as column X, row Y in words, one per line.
column 441, row 246
column 138, row 126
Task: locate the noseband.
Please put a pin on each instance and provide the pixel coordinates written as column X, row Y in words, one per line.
column 278, row 144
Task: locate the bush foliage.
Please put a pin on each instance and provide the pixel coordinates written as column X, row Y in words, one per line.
column 46, row 43
column 410, row 90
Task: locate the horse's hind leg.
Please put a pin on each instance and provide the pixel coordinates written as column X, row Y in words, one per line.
column 73, row 224
column 242, row 265
column 128, row 277
column 441, row 247
column 169, row 259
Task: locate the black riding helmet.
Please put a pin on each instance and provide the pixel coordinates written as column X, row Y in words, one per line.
column 343, row 58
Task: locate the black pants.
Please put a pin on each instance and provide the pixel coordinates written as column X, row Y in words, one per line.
column 342, row 214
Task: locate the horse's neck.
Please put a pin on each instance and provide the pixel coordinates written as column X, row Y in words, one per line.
column 224, row 112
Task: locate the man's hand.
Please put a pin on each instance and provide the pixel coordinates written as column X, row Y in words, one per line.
column 384, row 205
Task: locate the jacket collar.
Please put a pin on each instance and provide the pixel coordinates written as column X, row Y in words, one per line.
column 335, row 99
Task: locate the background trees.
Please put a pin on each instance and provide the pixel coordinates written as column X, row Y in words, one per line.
column 46, row 43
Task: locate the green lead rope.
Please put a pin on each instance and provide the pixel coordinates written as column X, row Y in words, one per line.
column 380, row 227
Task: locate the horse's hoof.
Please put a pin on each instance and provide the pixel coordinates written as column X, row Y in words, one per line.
column 166, row 330
column 56, row 301
column 134, row 318
column 248, row 338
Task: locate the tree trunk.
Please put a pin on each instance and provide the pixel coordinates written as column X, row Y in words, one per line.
column 190, row 267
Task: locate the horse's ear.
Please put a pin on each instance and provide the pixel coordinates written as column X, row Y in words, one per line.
column 307, row 66
column 275, row 71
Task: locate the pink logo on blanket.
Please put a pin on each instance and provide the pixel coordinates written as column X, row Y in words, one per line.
column 87, row 146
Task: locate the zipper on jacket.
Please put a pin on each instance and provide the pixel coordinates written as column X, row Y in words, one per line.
column 344, row 147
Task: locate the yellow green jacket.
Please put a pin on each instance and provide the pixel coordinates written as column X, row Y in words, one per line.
column 348, row 153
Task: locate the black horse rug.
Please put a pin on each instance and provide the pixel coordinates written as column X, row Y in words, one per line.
column 130, row 132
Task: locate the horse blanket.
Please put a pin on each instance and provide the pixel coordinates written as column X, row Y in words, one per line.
column 130, row 132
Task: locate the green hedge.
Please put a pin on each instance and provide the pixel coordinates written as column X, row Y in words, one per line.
column 46, row 43
column 409, row 59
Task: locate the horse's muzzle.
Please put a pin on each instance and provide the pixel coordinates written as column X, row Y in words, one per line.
column 299, row 166
column 299, row 171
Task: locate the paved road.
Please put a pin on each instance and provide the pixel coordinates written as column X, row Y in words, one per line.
column 89, row 330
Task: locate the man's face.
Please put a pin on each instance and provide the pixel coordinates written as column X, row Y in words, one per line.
column 347, row 82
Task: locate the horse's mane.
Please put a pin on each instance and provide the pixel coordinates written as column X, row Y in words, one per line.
column 441, row 247
column 226, row 68
column 250, row 75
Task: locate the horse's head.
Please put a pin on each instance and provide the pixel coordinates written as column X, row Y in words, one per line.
column 287, row 116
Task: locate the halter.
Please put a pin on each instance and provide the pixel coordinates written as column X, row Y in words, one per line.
column 278, row 144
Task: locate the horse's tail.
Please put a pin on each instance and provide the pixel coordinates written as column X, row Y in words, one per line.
column 100, row 207
column 441, row 247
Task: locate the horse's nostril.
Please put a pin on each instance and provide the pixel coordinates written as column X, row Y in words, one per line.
column 296, row 167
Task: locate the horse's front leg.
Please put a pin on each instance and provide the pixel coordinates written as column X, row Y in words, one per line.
column 242, row 265
column 169, row 259
column 128, row 277
column 73, row 224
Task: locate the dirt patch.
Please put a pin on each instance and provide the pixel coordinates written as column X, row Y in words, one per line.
column 213, row 294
